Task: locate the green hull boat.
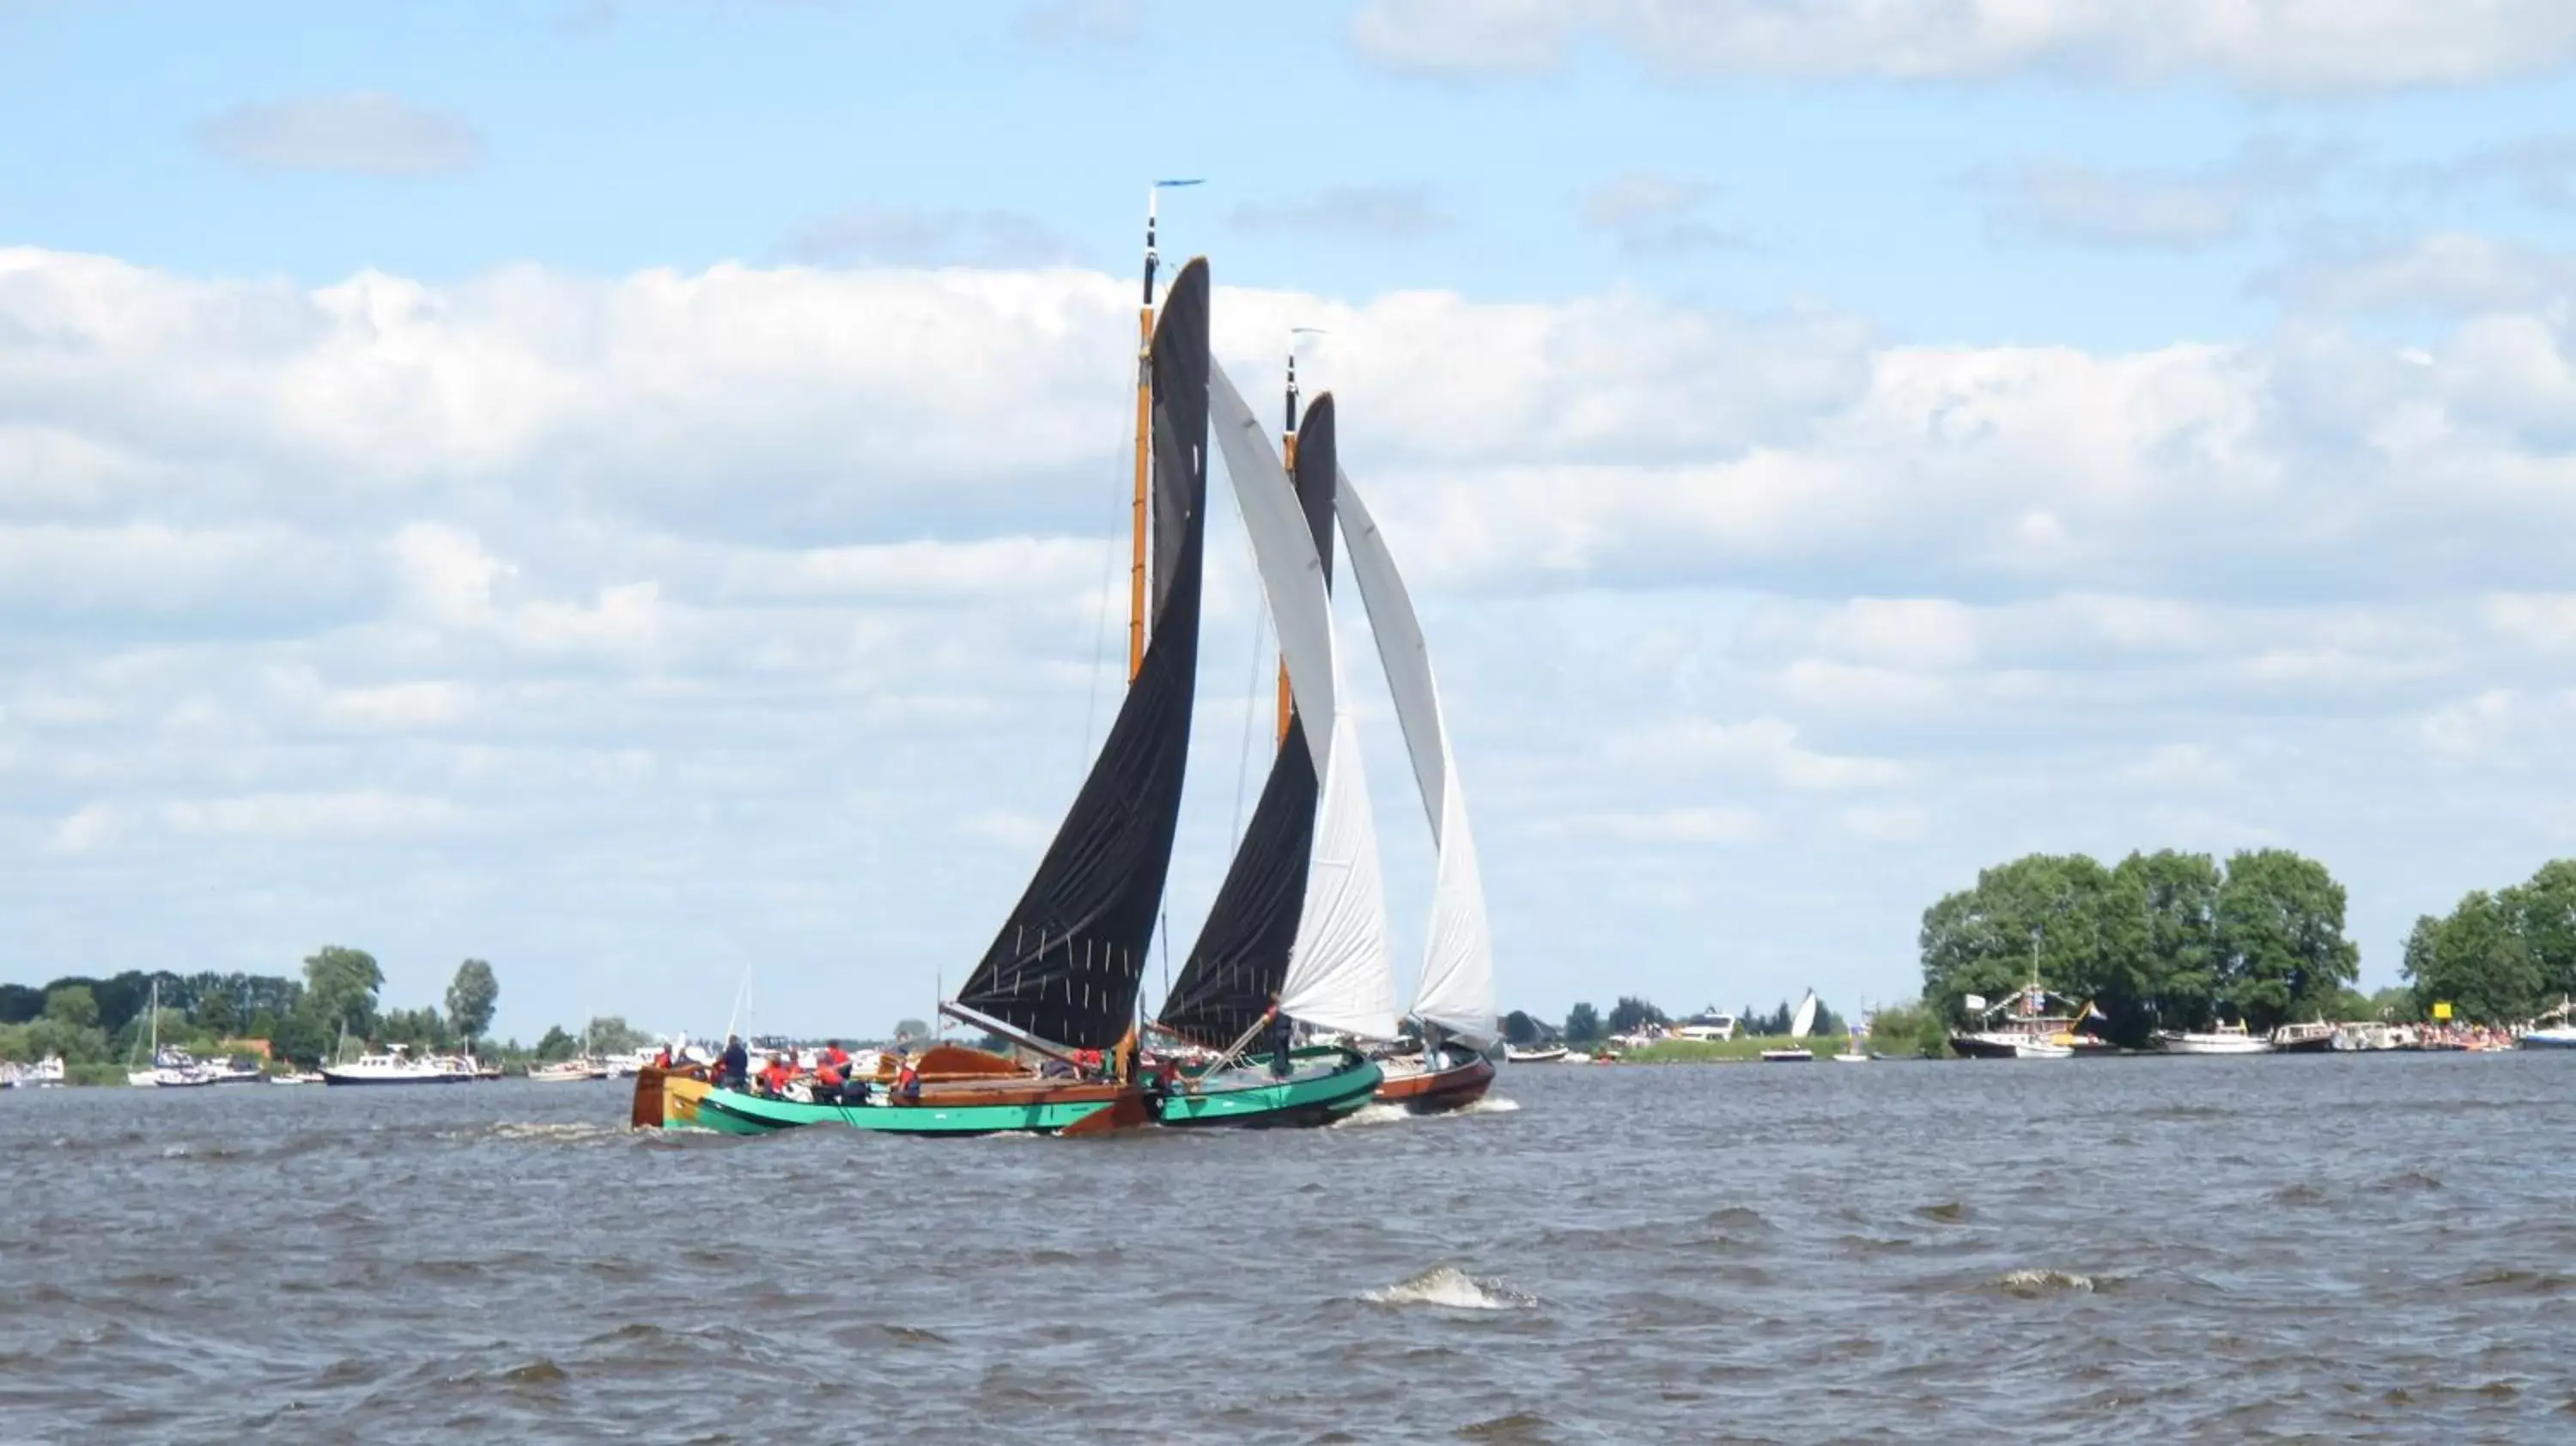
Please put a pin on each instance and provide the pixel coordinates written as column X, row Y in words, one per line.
column 1037, row 1109
column 1324, row 1086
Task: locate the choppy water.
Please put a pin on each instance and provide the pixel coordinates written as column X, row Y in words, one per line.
column 2081, row 1251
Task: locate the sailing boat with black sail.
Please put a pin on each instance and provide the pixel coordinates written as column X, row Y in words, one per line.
column 1063, row 972
column 1298, row 929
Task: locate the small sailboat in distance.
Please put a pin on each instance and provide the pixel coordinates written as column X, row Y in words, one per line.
column 1798, row 1029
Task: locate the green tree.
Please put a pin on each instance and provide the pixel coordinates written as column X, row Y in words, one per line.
column 1582, row 1024
column 470, row 1000
column 2045, row 913
column 612, row 1035
column 303, row 1035
column 1631, row 1012
column 2544, row 911
column 342, row 984
column 911, row 1029
column 2280, row 937
column 556, row 1044
column 74, row 1005
column 214, row 1014
column 2477, row 961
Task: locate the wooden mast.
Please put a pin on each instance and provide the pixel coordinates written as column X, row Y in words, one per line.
column 1288, row 451
column 1144, row 450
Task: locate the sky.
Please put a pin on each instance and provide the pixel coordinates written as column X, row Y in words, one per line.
column 630, row 489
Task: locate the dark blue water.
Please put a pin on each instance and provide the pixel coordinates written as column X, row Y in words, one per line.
column 2318, row 1248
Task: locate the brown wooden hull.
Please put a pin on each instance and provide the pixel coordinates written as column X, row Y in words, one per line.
column 1438, row 1091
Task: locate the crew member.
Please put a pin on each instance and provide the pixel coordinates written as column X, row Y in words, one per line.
column 907, row 1078
column 733, row 1067
column 775, row 1079
column 1283, row 1038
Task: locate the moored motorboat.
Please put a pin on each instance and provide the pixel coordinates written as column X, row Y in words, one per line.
column 1788, row 1056
column 562, row 1071
column 2008, row 1044
column 394, row 1067
column 296, row 1077
column 1536, row 1054
column 2314, row 1037
column 2020, row 1027
column 2221, row 1038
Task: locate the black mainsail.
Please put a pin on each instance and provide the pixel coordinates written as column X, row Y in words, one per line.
column 1067, row 964
column 1241, row 957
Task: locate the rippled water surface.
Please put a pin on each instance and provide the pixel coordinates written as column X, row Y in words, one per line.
column 2077, row 1251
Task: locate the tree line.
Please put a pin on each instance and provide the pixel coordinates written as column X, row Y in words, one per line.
column 1585, row 1025
column 2166, row 940
column 2502, row 957
column 98, row 1021
column 2173, row 940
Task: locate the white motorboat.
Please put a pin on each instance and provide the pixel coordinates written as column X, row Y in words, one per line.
column 2554, row 1030
column 2314, row 1037
column 1542, row 1054
column 2009, row 1044
column 395, row 1067
column 45, row 1073
column 296, row 1077
column 1788, row 1056
column 2221, row 1038
column 562, row 1071
column 233, row 1071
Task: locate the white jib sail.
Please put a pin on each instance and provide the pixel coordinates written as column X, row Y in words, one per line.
column 1341, row 971
column 1457, row 988
column 1806, row 1019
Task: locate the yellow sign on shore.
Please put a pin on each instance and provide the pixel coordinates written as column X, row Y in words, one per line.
column 2441, row 1009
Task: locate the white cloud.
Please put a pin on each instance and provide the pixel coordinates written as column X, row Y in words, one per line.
column 93, row 828
column 1766, row 748
column 2177, row 210
column 1886, row 823
column 311, row 817
column 899, row 236
column 367, row 132
column 2260, row 45
column 2181, row 766
column 2447, row 274
column 1686, row 826
column 1380, row 213
column 1653, row 215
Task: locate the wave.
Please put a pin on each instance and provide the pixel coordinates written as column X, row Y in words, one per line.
column 2030, row 1284
column 1492, row 1105
column 1373, row 1114
column 1453, row 1289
